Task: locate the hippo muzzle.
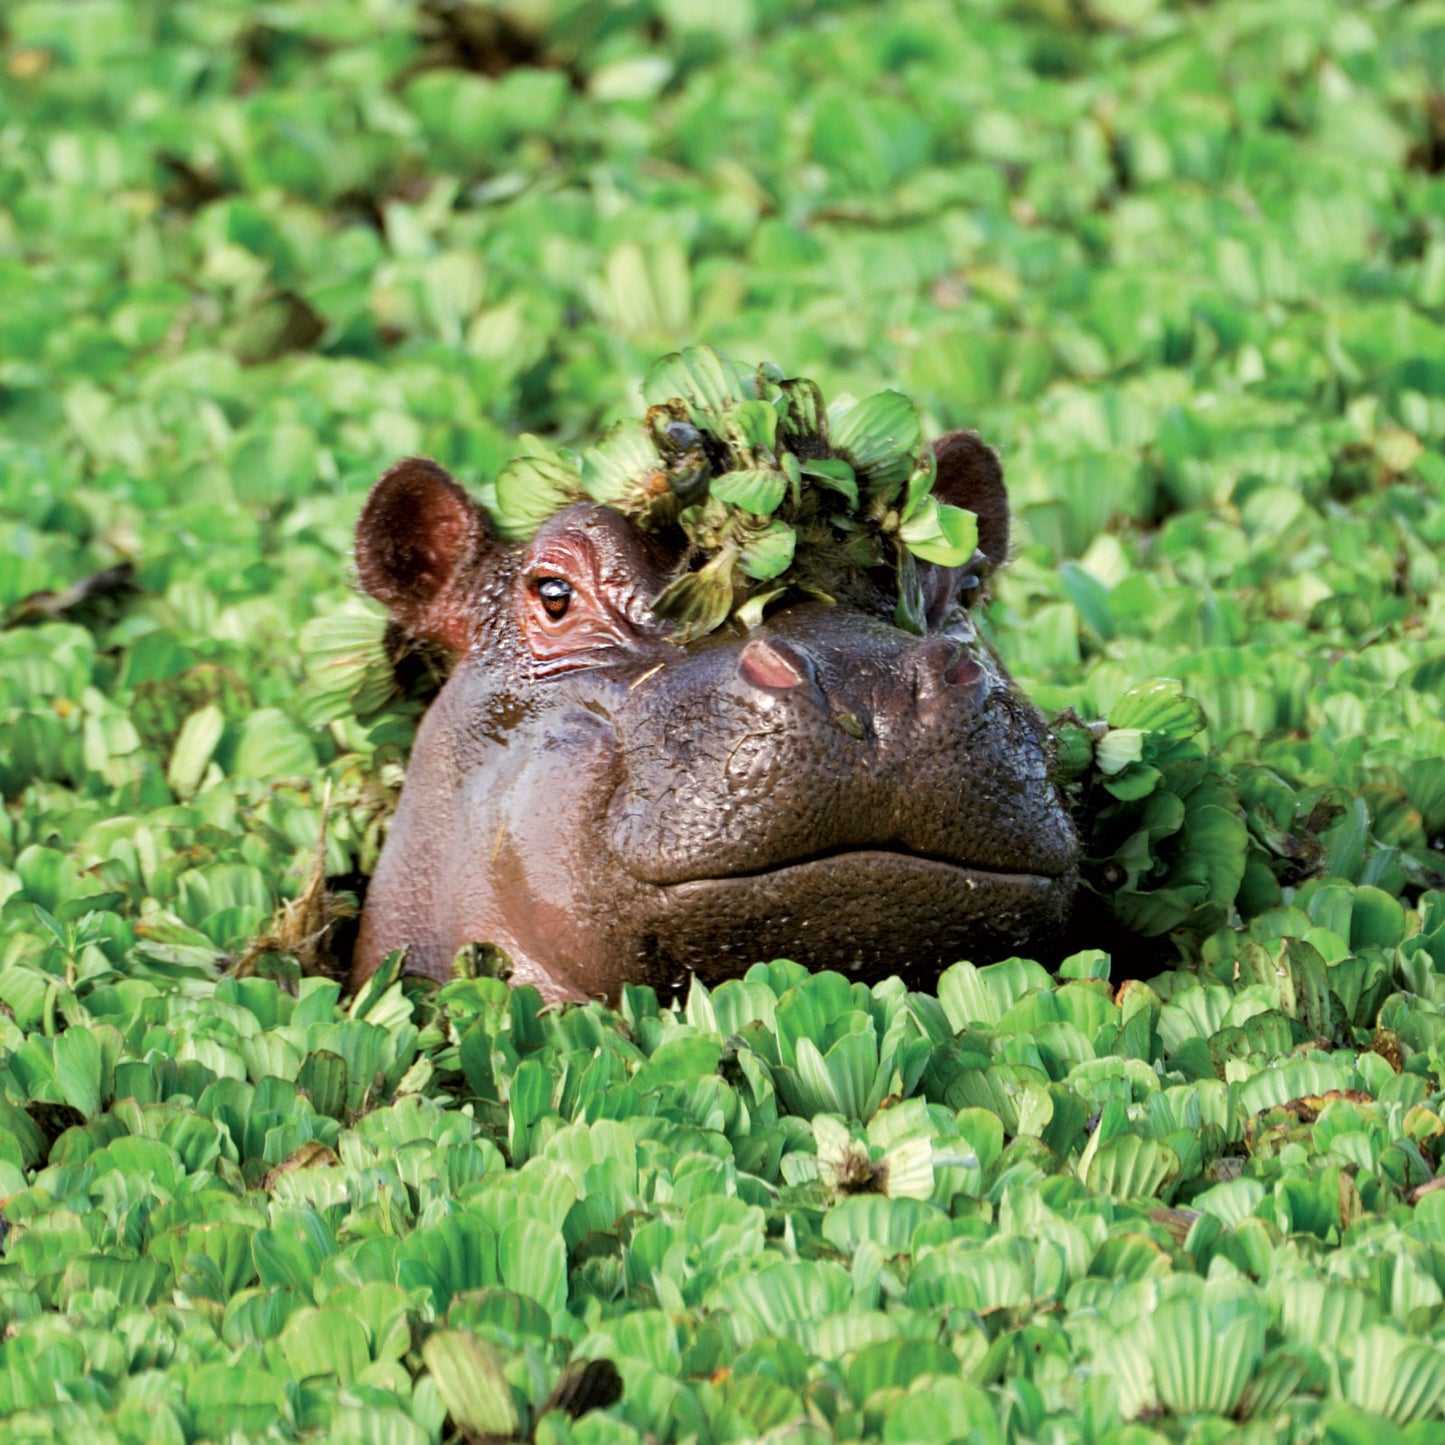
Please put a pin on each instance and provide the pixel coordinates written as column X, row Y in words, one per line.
column 609, row 805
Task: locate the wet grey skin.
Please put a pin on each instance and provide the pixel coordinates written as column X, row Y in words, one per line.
column 609, row 806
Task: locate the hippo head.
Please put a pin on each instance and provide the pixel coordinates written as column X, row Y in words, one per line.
column 609, row 804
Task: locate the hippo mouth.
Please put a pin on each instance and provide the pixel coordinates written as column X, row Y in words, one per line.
column 870, row 911
column 879, row 857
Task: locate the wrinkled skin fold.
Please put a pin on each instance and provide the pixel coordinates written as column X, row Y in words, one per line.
column 609, row 806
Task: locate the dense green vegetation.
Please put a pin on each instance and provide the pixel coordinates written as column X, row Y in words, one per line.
column 1184, row 264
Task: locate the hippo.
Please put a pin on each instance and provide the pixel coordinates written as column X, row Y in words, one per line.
column 610, row 804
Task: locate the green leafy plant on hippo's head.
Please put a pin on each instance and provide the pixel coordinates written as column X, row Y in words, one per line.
column 772, row 490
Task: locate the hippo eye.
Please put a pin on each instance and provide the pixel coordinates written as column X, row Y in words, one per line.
column 556, row 593
column 969, row 585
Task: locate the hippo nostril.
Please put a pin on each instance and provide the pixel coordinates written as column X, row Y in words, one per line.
column 947, row 662
column 771, row 664
column 963, row 671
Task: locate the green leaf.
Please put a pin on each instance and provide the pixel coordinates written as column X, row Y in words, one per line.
column 768, row 553
column 222, row 1398
column 271, row 745
column 1073, row 750
column 889, row 1223
column 1128, row 1167
column 193, row 748
column 1347, row 842
column 274, row 463
column 622, row 460
column 1090, row 599
column 1202, row 1361
column 802, row 411
column 323, row 1076
column 79, row 1067
column 910, row 611
column 908, row 1169
column 941, row 533
column 456, row 1254
column 346, row 663
column 700, row 601
column 533, row 1261
column 896, row 1364
column 1376, row 919
column 1390, row 1375
column 755, row 424
column 920, row 483
column 325, row 1343
column 501, row 1315
column 290, row 1253
column 708, row 380
column 1158, row 706
column 1117, row 749
column 760, row 492
column 647, row 292
column 879, row 435
column 469, row 1379
column 933, row 1413
column 530, row 489
column 131, row 1281
column 750, row 614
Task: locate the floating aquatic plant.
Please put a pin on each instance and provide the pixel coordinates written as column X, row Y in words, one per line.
column 773, row 491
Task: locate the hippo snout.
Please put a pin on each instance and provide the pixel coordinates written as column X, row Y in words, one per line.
column 834, row 732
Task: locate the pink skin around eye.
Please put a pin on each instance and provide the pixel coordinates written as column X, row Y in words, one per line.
column 589, row 624
column 614, row 574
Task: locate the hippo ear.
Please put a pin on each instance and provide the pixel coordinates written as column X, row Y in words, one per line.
column 417, row 535
column 969, row 475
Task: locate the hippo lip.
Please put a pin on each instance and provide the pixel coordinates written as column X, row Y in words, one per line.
column 869, row 911
column 879, row 856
